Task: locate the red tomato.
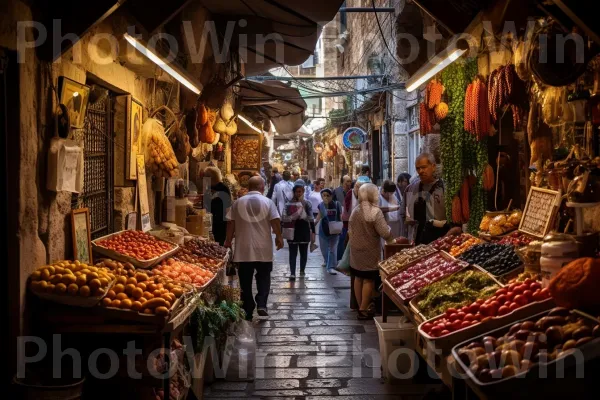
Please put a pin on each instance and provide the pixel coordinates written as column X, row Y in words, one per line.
column 436, row 330
column 545, row 293
column 465, row 324
column 529, row 294
column 510, row 296
column 444, row 332
column 486, row 319
column 503, row 310
column 537, row 296
column 469, row 317
column 460, row 315
column 484, row 309
column 478, row 316
column 501, row 291
column 502, row 299
column 496, row 304
column 474, row 308
column 453, row 317
column 521, row 300
column 535, row 286
column 450, row 311
column 512, row 286
column 426, row 327
column 479, row 301
column 529, row 281
column 456, row 325
column 513, row 306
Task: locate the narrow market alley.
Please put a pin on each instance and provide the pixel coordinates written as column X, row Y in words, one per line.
column 312, row 346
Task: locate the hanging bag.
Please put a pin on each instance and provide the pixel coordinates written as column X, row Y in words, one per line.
column 65, row 164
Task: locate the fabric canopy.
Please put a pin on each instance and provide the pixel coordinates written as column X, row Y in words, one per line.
column 275, row 31
column 276, row 101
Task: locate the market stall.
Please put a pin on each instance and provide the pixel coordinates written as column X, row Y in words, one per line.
column 148, row 290
column 519, row 154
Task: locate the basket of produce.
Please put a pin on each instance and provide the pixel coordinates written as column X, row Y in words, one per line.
column 136, row 247
column 72, row 283
column 205, row 248
column 497, row 224
column 506, row 305
column 181, row 271
column 531, row 353
column 445, row 243
column 517, row 239
column 146, row 296
column 400, row 260
column 497, row 259
column 456, row 251
column 455, row 291
column 422, row 272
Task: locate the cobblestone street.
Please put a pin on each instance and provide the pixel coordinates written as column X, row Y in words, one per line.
column 312, row 346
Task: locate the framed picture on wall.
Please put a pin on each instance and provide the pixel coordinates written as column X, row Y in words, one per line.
column 74, row 96
column 134, row 134
column 82, row 243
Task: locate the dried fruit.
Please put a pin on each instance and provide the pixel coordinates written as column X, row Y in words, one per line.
column 488, row 177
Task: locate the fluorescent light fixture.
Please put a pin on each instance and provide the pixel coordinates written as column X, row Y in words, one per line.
column 155, row 58
column 428, row 71
column 247, row 122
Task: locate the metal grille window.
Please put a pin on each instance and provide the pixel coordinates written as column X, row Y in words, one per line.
column 413, row 117
column 97, row 192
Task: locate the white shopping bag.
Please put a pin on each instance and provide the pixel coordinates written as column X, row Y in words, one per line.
column 65, row 166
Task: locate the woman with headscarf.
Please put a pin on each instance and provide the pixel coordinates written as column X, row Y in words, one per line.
column 298, row 215
column 216, row 201
column 367, row 226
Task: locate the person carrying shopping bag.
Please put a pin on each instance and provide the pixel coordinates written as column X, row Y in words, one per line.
column 298, row 228
column 330, row 216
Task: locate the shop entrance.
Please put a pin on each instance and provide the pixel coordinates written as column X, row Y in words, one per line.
column 97, row 192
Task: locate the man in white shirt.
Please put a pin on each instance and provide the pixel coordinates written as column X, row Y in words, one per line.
column 251, row 219
column 315, row 195
column 283, row 191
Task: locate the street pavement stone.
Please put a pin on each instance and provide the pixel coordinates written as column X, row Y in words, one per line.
column 312, row 346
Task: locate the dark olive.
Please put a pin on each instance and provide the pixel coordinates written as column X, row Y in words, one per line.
column 559, row 312
column 583, row 341
column 528, row 325
column 554, row 335
column 509, row 370
column 474, row 345
column 485, row 375
column 514, row 328
column 582, row 332
column 569, row 344
column 522, row 334
column 525, row 365
column 530, row 350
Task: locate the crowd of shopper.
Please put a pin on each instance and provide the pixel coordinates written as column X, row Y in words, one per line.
column 353, row 222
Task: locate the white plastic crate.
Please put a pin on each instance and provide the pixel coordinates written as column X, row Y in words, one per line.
column 397, row 348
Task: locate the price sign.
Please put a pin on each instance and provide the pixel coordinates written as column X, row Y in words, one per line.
column 540, row 211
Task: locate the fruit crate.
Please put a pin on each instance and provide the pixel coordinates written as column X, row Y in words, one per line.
column 446, row 342
column 443, row 254
column 541, row 378
column 413, row 303
column 144, row 264
column 383, row 265
column 77, row 301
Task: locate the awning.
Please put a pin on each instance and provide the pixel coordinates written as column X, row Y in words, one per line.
column 276, row 101
column 295, row 24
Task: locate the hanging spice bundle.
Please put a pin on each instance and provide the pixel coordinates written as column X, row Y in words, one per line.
column 432, row 110
column 477, row 119
column 433, row 94
column 505, row 89
column 425, row 121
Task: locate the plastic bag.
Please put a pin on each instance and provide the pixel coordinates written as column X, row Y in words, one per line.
column 65, row 166
column 239, row 357
column 344, row 264
column 158, row 152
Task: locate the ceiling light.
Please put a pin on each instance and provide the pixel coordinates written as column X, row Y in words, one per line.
column 169, row 69
column 247, row 122
column 429, row 70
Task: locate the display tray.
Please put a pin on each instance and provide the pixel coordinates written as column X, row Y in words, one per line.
column 384, row 265
column 445, row 255
column 77, row 301
column 144, row 264
column 131, row 315
column 446, row 342
column 504, row 278
column 544, row 374
column 488, row 237
column 413, row 303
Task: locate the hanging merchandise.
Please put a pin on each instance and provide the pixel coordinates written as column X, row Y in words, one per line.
column 440, row 111
column 578, row 102
column 159, row 156
column 425, row 124
column 520, row 59
column 65, row 166
column 433, row 94
column 192, row 118
column 505, row 90
column 318, row 147
column 476, row 114
column 553, row 105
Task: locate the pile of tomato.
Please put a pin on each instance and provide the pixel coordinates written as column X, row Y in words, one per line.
column 182, row 271
column 504, row 301
column 136, row 244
